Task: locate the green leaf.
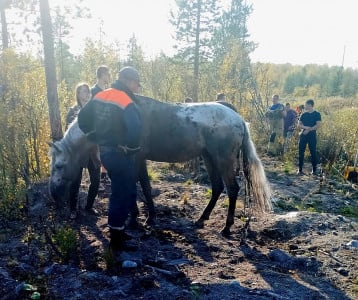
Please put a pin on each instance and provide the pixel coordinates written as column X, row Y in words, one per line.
column 29, row 287
column 35, row 296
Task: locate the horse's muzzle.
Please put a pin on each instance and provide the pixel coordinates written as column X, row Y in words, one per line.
column 59, row 193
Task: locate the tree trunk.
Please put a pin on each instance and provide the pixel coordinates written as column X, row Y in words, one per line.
column 50, row 71
column 4, row 33
column 196, row 54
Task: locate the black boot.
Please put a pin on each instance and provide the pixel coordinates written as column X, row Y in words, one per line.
column 118, row 241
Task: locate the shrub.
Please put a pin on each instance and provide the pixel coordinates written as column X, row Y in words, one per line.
column 66, row 241
column 337, row 138
column 12, row 203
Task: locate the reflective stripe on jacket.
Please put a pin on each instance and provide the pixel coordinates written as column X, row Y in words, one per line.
column 114, row 96
column 111, row 118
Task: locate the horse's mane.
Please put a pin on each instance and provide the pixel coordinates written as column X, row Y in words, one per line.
column 73, row 137
column 144, row 100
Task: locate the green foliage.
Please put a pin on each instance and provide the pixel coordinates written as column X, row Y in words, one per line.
column 288, row 166
column 355, row 286
column 153, row 175
column 65, row 238
column 96, row 54
column 12, row 203
column 189, row 182
column 24, row 125
column 109, row 258
column 349, row 211
column 311, row 209
column 31, row 289
column 193, row 19
column 195, row 291
column 285, row 204
column 338, row 136
column 24, row 128
column 232, row 29
column 314, row 81
column 235, row 76
column 225, row 204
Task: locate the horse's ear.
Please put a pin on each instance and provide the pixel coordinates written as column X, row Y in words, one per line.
column 53, row 145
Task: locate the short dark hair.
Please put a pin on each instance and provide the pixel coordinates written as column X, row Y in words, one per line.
column 101, row 70
column 310, row 102
column 220, row 96
column 275, row 96
column 288, row 104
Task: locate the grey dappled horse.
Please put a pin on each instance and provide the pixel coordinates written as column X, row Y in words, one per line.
column 178, row 133
column 68, row 156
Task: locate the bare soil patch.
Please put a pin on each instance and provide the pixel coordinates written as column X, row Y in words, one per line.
column 304, row 250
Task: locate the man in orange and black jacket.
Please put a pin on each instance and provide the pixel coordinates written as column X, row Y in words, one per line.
column 112, row 120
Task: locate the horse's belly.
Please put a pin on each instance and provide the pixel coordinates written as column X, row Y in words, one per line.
column 170, row 158
column 173, row 154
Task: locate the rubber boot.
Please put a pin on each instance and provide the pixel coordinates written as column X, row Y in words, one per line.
column 118, row 241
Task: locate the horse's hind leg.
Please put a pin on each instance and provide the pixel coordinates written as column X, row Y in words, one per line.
column 232, row 191
column 216, row 186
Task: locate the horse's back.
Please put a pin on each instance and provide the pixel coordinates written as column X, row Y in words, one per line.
column 179, row 132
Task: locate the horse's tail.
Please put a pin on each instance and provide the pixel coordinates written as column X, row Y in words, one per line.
column 255, row 175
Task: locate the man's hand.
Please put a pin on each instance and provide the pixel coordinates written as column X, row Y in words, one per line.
column 127, row 150
column 306, row 130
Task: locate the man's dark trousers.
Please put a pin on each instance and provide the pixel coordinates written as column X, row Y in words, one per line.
column 121, row 171
column 94, row 173
column 311, row 140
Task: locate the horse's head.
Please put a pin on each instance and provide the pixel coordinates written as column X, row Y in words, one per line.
column 64, row 169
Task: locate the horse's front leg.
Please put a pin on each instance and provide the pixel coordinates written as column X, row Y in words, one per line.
column 147, row 191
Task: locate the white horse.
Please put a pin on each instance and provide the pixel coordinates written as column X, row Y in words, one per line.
column 178, row 133
column 68, row 157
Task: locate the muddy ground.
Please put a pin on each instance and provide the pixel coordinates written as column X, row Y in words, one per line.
column 306, row 249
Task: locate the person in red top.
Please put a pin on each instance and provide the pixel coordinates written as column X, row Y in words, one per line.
column 112, row 120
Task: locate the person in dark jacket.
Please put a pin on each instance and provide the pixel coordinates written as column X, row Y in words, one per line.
column 275, row 114
column 309, row 122
column 289, row 124
column 83, row 95
column 103, row 80
column 112, row 120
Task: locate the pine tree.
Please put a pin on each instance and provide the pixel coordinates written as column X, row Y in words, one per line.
column 4, row 32
column 232, row 29
column 231, row 49
column 50, row 70
column 195, row 22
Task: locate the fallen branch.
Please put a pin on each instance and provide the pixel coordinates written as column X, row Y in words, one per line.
column 166, row 272
column 330, row 255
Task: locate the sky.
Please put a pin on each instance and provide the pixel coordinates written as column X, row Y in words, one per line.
column 286, row 31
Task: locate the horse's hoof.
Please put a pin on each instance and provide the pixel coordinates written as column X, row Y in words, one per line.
column 226, row 232
column 199, row 223
column 149, row 222
column 133, row 224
